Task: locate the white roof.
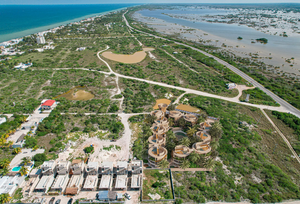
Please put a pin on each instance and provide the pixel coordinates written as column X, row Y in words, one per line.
column 9, row 184
column 2, row 120
column 107, row 164
column 106, row 182
column 136, row 163
column 122, row 164
column 90, row 181
column 49, row 164
column 135, row 181
column 45, row 182
column 76, row 181
column 92, row 165
column 121, row 181
column 60, row 182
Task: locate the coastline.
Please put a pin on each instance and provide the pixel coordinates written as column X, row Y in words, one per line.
column 242, row 48
column 8, row 37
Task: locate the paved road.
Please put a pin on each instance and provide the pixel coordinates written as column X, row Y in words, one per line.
column 288, row 107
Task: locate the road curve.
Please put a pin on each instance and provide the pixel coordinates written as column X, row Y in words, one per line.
column 279, row 100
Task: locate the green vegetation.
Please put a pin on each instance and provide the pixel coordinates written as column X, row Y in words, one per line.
column 240, row 38
column 257, row 96
column 157, row 182
column 39, row 159
column 89, row 149
column 248, row 153
column 262, row 40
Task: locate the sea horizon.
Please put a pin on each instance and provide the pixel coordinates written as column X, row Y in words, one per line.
column 13, row 27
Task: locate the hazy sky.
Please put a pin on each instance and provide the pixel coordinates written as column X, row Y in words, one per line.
column 2, row 2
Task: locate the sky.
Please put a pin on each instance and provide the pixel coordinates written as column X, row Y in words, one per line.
column 42, row 2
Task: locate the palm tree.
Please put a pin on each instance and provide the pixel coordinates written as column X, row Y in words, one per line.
column 171, row 135
column 4, row 163
column 214, row 145
column 216, row 130
column 26, row 160
column 163, row 164
column 171, row 122
column 210, row 164
column 185, row 164
column 4, row 171
column 4, row 198
column 23, row 171
column 194, row 157
column 35, row 147
column 191, row 132
column 185, row 141
column 17, row 150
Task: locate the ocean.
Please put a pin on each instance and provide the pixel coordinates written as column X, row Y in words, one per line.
column 21, row 20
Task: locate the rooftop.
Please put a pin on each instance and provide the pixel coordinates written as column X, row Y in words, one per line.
column 121, row 181
column 107, row 164
column 106, row 182
column 122, row 164
column 136, row 181
column 48, row 103
column 90, row 182
column 44, row 182
column 60, row 182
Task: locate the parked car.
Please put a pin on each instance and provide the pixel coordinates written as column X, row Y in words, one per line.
column 127, row 196
column 52, row 200
column 23, row 128
column 70, row 201
column 58, row 201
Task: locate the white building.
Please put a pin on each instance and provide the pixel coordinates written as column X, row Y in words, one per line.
column 74, row 185
column 44, row 184
column 92, row 168
column 107, row 168
column 137, row 167
column 62, row 168
column 23, row 66
column 106, row 182
column 90, row 183
column 20, row 142
column 40, row 40
column 77, row 167
column 231, row 86
column 60, row 183
column 121, row 182
column 81, row 49
column 122, row 168
column 136, row 181
column 10, row 184
column 48, row 167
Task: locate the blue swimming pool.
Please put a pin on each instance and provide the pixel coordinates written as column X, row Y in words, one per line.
column 16, row 168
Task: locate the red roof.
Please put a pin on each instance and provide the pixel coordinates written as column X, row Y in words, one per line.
column 48, row 103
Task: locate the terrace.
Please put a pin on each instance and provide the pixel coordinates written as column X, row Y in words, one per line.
column 90, row 183
column 158, row 114
column 74, row 185
column 163, row 107
column 156, row 140
column 159, row 129
column 201, row 148
column 106, row 182
column 191, row 118
column 175, row 114
column 162, row 122
column 157, row 154
column 205, row 137
column 60, row 183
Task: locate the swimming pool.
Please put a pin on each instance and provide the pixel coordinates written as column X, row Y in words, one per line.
column 16, row 168
column 180, row 134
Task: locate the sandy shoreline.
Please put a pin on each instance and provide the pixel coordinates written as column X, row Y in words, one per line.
column 240, row 48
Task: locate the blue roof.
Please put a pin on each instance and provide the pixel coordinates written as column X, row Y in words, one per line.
column 103, row 195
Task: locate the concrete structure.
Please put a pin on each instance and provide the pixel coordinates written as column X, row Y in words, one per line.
column 231, row 86
column 156, row 154
column 44, row 184
column 180, row 153
column 35, row 173
column 92, row 168
column 20, row 142
column 175, row 114
column 23, row 66
column 121, row 182
column 60, row 183
column 62, row 168
column 136, row 181
column 90, row 183
column 106, row 168
column 9, row 184
column 156, row 140
column 162, row 122
column 40, row 40
column 74, row 185
column 106, row 182
column 80, row 48
column 136, row 166
column 191, row 118
column 163, row 107
column 158, row 114
column 159, row 129
column 201, row 148
column 122, row 168
column 204, row 136
column 47, row 105
column 48, row 167
column 77, row 167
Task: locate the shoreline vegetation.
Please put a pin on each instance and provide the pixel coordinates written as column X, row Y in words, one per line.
column 284, row 85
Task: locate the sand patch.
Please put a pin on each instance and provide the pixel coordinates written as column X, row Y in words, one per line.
column 128, row 59
column 188, row 108
column 77, row 93
column 158, row 101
